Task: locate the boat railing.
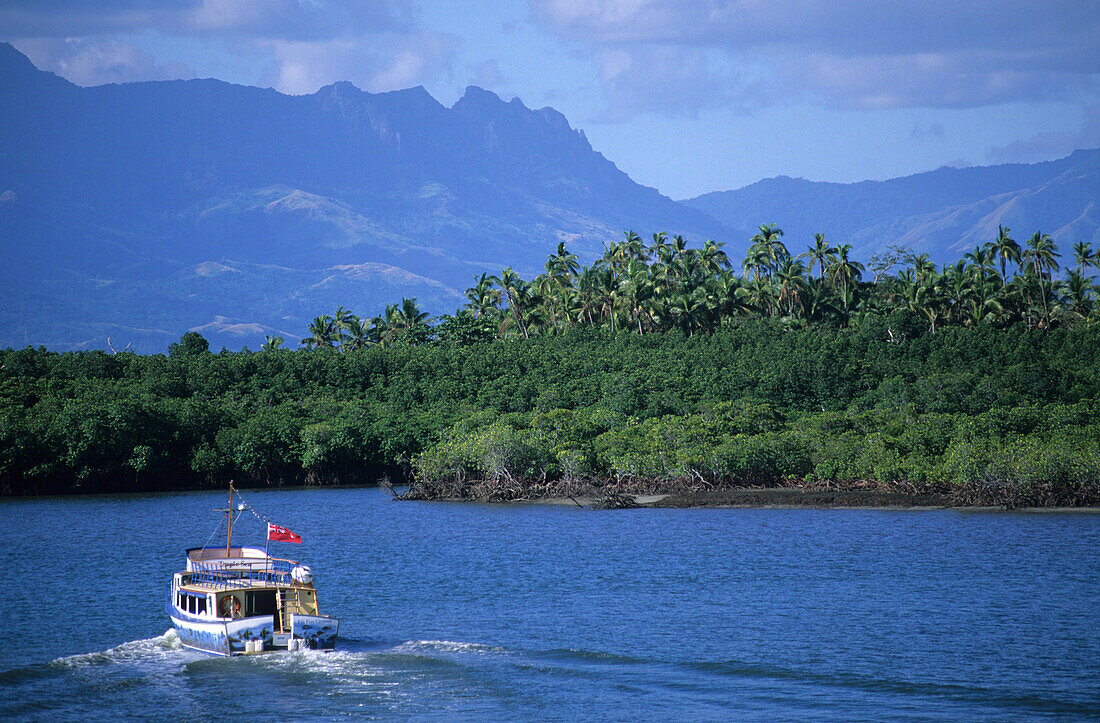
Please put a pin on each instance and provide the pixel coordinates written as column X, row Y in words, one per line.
column 227, row 576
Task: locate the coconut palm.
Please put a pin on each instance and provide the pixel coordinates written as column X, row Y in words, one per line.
column 340, row 320
column 358, row 335
column 768, row 239
column 711, row 259
column 1041, row 255
column 513, row 286
column 272, row 343
column 322, row 333
column 1083, row 255
column 789, row 278
column 821, row 253
column 845, row 273
column 482, row 298
column 1005, row 249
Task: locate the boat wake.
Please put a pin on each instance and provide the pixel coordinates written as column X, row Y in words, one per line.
column 444, row 646
column 133, row 651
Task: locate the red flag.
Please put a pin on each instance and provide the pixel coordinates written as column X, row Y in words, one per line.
column 282, row 534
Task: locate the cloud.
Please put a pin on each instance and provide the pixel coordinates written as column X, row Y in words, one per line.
column 487, row 75
column 271, row 19
column 926, row 132
column 660, row 79
column 1052, row 144
column 380, row 63
column 864, row 54
column 376, row 44
column 93, row 62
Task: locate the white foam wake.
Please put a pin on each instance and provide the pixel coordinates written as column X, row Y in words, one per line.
column 131, row 651
column 444, row 646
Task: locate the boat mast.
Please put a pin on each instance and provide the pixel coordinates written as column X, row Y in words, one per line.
column 229, row 520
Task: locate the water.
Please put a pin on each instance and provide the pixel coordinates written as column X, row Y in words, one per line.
column 548, row 612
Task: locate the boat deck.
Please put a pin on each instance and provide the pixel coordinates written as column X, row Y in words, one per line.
column 220, row 575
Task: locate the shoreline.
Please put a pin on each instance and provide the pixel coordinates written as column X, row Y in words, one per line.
column 785, row 498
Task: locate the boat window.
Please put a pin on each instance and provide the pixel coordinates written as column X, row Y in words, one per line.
column 259, row 602
column 202, row 606
column 190, row 604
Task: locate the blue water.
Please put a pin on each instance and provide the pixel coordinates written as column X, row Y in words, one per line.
column 552, row 612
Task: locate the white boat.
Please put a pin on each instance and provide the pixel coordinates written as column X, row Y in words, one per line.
column 241, row 600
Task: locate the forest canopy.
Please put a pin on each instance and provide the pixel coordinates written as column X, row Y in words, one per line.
column 669, row 368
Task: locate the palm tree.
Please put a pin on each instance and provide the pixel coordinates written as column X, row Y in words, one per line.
column 923, row 266
column 482, row 298
column 358, row 335
column 768, row 239
column 1083, row 256
column 405, row 322
column 322, row 333
column 820, row 253
column 659, row 250
column 340, row 321
column 272, row 343
column 789, row 278
column 712, row 259
column 845, row 273
column 512, row 285
column 1041, row 254
column 1078, row 293
column 1005, row 249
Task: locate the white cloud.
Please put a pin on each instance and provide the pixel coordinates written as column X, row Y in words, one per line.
column 87, row 61
column 1052, row 144
column 864, row 54
column 376, row 63
column 662, row 80
column 376, row 44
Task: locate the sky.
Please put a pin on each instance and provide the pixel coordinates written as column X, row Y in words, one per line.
column 687, row 96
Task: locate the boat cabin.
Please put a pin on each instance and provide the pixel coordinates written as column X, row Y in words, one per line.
column 244, row 582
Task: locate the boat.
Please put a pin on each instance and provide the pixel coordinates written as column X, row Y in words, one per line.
column 242, row 600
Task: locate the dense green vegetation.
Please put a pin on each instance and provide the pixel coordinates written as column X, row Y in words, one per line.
column 665, row 285
column 497, row 402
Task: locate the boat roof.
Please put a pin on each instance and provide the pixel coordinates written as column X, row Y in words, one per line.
column 207, row 554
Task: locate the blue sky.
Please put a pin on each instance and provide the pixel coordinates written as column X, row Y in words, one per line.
column 687, row 96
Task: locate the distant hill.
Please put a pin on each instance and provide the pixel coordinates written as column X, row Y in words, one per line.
column 943, row 213
column 142, row 210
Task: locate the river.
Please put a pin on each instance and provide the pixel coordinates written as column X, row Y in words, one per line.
column 552, row 612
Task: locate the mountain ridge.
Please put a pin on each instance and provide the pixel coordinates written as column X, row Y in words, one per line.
column 112, row 196
column 944, row 212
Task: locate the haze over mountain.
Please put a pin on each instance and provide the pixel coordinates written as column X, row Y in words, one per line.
column 142, row 210
column 943, row 213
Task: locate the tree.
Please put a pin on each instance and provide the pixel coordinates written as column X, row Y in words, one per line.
column 482, row 298
column 272, row 343
column 511, row 284
column 322, row 333
column 190, row 344
column 845, row 273
column 821, row 253
column 340, row 322
column 1005, row 248
column 767, row 239
column 1041, row 255
column 1083, row 256
column 406, row 323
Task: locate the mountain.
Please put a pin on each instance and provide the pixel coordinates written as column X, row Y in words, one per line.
column 137, row 212
column 142, row 210
column 943, row 213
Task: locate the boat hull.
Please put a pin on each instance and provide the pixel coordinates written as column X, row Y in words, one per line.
column 318, row 631
column 221, row 637
column 228, row 638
